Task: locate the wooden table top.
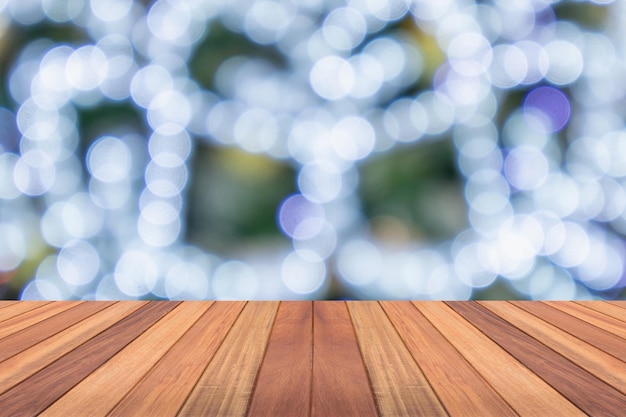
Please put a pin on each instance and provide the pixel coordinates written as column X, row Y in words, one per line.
column 322, row 358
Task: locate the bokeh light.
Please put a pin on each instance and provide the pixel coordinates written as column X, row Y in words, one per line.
column 388, row 149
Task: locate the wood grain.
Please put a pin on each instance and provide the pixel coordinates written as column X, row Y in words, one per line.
column 120, row 373
column 597, row 398
column 593, row 360
column 600, row 320
column 283, row 387
column 524, row 391
column 23, row 365
column 53, row 381
column 32, row 335
column 399, row 386
column 5, row 303
column 20, row 308
column 340, row 383
column 321, row 358
column 599, row 338
column 621, row 303
column 164, row 389
column 226, row 385
column 461, row 389
column 33, row 316
column 609, row 309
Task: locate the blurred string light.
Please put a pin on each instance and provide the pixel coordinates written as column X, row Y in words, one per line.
column 546, row 218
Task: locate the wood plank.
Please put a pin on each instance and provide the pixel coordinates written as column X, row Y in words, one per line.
column 33, row 395
column 461, row 389
column 25, row 338
column 164, row 389
column 120, row 373
column 6, row 303
column 23, row 365
column 399, row 386
column 34, row 316
column 588, row 315
column 19, row 308
column 340, row 385
column 599, row 338
column 605, row 308
column 597, row 398
column 593, row 360
column 283, row 387
column 225, row 387
column 618, row 303
column 524, row 391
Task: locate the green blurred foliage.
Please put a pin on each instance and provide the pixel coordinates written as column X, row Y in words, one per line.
column 417, row 186
column 233, row 197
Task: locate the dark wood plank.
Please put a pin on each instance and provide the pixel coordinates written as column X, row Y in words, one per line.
column 124, row 370
column 591, row 316
column 164, row 389
column 34, row 316
column 30, row 336
column 283, row 387
column 609, row 309
column 595, row 361
column 599, row 338
column 21, row 366
column 597, row 398
column 461, row 389
column 35, row 394
column 19, row 308
column 340, row 382
column 225, row 387
column 524, row 391
column 399, row 386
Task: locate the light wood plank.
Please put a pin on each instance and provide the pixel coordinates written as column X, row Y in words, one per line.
column 34, row 394
column 21, row 366
column 34, row 316
column 591, row 334
column 340, row 382
column 597, row 398
column 524, row 391
column 25, row 338
column 120, row 373
column 19, row 308
column 164, row 389
column 588, row 315
column 6, row 303
column 595, row 361
column 608, row 309
column 283, row 387
column 399, row 386
column 225, row 387
column 461, row 389
column 618, row 303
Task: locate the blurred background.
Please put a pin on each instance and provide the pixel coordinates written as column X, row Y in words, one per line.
column 312, row 149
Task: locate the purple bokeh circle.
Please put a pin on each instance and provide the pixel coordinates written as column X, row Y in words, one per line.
column 550, row 105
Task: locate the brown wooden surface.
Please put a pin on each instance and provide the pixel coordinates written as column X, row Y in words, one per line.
column 608, row 309
column 565, row 376
column 587, row 332
column 588, row 357
column 283, row 386
column 322, row 358
column 597, row 318
column 340, row 383
column 448, row 372
column 164, row 390
column 525, row 392
column 225, row 387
